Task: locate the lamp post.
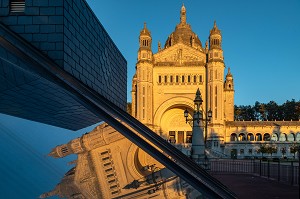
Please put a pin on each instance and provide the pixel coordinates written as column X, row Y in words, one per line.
column 198, row 140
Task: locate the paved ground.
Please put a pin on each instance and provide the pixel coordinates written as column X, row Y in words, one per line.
column 255, row 187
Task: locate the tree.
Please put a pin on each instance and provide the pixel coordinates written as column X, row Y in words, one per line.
column 262, row 111
column 271, row 111
column 291, row 110
column 262, row 149
column 294, row 149
column 244, row 113
column 271, row 149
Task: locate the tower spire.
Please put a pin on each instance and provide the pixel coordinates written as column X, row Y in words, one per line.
column 183, row 15
column 229, row 73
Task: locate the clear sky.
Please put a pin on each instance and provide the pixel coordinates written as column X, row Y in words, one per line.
column 261, row 43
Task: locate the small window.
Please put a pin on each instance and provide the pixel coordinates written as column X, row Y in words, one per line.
column 171, row 137
column 110, row 175
column 111, row 181
column 113, row 186
column 114, row 192
column 17, row 6
column 200, row 78
column 250, row 151
column 195, row 79
column 171, row 133
column 108, row 170
column 107, row 164
column 106, row 158
column 166, row 79
column 104, row 153
column 64, row 150
column 143, row 114
column 159, row 79
column 189, row 136
column 177, row 78
column 143, row 101
column 182, row 79
column 171, row 79
column 189, row 79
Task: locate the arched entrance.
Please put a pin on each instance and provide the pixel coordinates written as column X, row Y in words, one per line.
column 170, row 118
column 174, row 127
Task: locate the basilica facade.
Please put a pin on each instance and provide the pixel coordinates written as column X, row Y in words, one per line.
column 165, row 83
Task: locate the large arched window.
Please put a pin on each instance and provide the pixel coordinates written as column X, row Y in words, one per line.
column 267, row 137
column 242, row 137
column 291, row 137
column 298, row 136
column 258, row 137
column 250, row 137
column 283, row 137
column 233, row 137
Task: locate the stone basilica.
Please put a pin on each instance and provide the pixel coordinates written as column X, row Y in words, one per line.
column 163, row 87
column 165, row 83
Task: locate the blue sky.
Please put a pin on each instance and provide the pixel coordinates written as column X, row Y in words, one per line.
column 261, row 45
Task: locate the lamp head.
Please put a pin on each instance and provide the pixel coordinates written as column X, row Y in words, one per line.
column 186, row 113
column 198, row 100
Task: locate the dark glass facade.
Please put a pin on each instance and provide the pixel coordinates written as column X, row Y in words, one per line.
column 69, row 35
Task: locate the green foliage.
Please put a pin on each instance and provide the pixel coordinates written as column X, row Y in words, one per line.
column 294, row 148
column 267, row 149
column 271, row 149
column 290, row 110
column 262, row 149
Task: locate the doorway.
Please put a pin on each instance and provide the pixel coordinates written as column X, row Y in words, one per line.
column 233, row 154
column 180, row 137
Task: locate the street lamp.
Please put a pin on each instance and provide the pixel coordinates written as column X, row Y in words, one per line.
column 198, row 144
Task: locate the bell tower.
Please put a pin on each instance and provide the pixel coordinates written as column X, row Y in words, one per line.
column 145, row 52
column 215, row 70
column 142, row 91
column 229, row 97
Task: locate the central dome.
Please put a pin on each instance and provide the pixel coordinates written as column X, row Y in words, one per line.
column 183, row 34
